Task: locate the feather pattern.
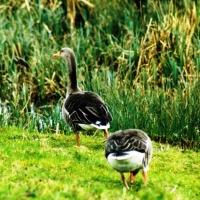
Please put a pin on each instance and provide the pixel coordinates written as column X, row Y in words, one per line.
column 129, row 151
column 85, row 108
column 129, row 140
column 82, row 109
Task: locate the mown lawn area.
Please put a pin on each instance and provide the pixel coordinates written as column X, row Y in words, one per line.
column 50, row 166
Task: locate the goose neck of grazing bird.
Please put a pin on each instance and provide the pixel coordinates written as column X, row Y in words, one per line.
column 72, row 79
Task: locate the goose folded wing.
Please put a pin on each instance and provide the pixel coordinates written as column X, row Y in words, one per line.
column 87, row 108
column 135, row 142
column 128, row 142
column 88, row 115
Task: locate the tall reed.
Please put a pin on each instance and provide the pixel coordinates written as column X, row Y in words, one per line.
column 144, row 63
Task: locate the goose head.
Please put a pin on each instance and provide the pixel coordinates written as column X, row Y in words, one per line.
column 68, row 55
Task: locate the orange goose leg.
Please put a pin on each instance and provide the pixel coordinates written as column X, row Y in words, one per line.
column 106, row 133
column 124, row 181
column 132, row 177
column 77, row 139
column 144, row 174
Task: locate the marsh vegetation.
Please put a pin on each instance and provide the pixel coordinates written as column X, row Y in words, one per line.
column 143, row 62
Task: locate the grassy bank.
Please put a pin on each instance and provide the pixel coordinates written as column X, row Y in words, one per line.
column 143, row 62
column 47, row 166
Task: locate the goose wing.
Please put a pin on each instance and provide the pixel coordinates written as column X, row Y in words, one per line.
column 86, row 108
column 128, row 140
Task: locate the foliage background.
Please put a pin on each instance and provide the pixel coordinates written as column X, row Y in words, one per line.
column 142, row 59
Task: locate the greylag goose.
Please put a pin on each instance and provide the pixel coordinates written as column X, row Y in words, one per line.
column 129, row 151
column 82, row 109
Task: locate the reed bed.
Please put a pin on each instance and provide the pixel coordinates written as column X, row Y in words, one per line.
column 144, row 62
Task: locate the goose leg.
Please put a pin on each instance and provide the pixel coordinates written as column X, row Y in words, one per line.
column 77, row 139
column 132, row 175
column 106, row 133
column 124, row 181
column 144, row 174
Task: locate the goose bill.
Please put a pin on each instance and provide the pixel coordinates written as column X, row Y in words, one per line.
column 56, row 55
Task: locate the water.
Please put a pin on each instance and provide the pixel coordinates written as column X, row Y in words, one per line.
column 48, row 120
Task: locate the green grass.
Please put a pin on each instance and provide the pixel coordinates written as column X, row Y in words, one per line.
column 49, row 166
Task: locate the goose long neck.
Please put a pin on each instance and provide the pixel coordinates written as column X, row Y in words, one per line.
column 72, row 79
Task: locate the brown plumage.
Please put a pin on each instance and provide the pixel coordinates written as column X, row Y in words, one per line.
column 82, row 109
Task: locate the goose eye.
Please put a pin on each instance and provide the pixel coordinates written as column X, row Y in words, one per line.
column 61, row 51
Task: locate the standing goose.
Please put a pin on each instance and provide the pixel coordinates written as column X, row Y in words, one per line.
column 129, row 151
column 82, row 109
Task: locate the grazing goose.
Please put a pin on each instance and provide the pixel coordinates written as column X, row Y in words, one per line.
column 129, row 151
column 82, row 109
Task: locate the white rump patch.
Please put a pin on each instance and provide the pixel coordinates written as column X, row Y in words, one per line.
column 86, row 126
column 94, row 126
column 131, row 161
